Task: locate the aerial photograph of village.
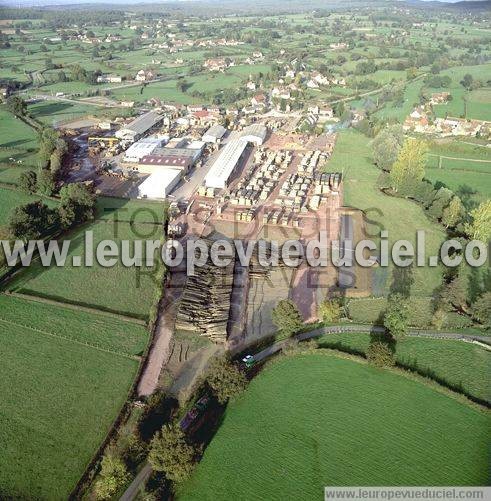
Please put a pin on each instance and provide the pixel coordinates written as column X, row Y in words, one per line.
column 245, row 250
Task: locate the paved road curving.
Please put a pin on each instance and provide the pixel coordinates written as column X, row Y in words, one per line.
column 360, row 328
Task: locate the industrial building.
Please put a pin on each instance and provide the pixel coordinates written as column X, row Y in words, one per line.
column 160, row 184
column 143, row 148
column 139, row 126
column 178, row 154
column 255, row 133
column 151, row 163
column 226, row 163
column 214, row 134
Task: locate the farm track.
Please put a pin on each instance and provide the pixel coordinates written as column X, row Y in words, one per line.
column 479, row 160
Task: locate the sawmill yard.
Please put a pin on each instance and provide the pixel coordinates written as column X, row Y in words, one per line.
column 218, row 121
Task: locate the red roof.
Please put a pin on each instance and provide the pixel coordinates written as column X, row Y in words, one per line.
column 202, row 114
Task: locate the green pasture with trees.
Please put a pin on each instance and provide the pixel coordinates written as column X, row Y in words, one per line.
column 305, row 426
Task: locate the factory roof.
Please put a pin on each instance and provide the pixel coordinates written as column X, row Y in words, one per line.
column 216, row 131
column 221, row 170
column 196, row 145
column 178, row 162
column 157, row 184
column 143, row 147
column 255, row 130
column 176, row 152
column 144, row 122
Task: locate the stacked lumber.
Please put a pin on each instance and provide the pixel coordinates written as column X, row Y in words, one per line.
column 205, row 304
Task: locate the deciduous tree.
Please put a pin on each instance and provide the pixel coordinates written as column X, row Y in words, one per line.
column 225, row 379
column 409, row 168
column 481, row 309
column 113, row 475
column 16, row 106
column 386, row 146
column 396, row 316
column 170, row 453
column 46, row 184
column 287, row 317
column 31, row 221
column 480, row 227
column 454, row 213
column 28, row 182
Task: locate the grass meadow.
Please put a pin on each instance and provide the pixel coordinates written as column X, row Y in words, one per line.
column 317, row 420
column 461, row 365
column 17, row 140
column 464, row 168
column 472, row 105
column 12, row 198
column 60, row 392
column 129, row 291
column 14, row 133
column 52, row 112
column 117, row 289
column 400, row 217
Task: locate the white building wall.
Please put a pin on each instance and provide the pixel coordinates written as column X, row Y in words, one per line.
column 160, row 184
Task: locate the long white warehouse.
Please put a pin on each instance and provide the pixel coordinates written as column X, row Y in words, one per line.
column 225, row 165
column 159, row 185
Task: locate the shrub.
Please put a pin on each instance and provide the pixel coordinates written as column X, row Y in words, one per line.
column 380, row 353
column 396, row 316
column 330, row 311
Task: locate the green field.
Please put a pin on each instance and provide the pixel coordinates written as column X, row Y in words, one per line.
column 12, row 198
column 134, row 211
column 17, row 140
column 130, row 291
column 400, row 217
column 317, row 420
column 60, row 393
column 463, row 168
column 475, row 104
column 167, row 90
column 459, row 364
column 52, row 112
column 399, row 113
column 14, row 133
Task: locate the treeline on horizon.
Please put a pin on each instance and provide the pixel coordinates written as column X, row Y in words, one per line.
column 80, row 13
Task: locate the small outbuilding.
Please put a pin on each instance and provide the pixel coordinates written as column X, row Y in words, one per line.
column 214, row 134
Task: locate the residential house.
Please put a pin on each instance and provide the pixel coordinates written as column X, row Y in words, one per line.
column 259, row 101
column 439, row 97
column 145, row 76
column 109, row 79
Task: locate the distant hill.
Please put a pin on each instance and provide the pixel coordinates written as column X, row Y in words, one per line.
column 462, row 5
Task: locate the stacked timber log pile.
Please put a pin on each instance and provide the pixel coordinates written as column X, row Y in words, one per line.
column 271, row 254
column 205, row 303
